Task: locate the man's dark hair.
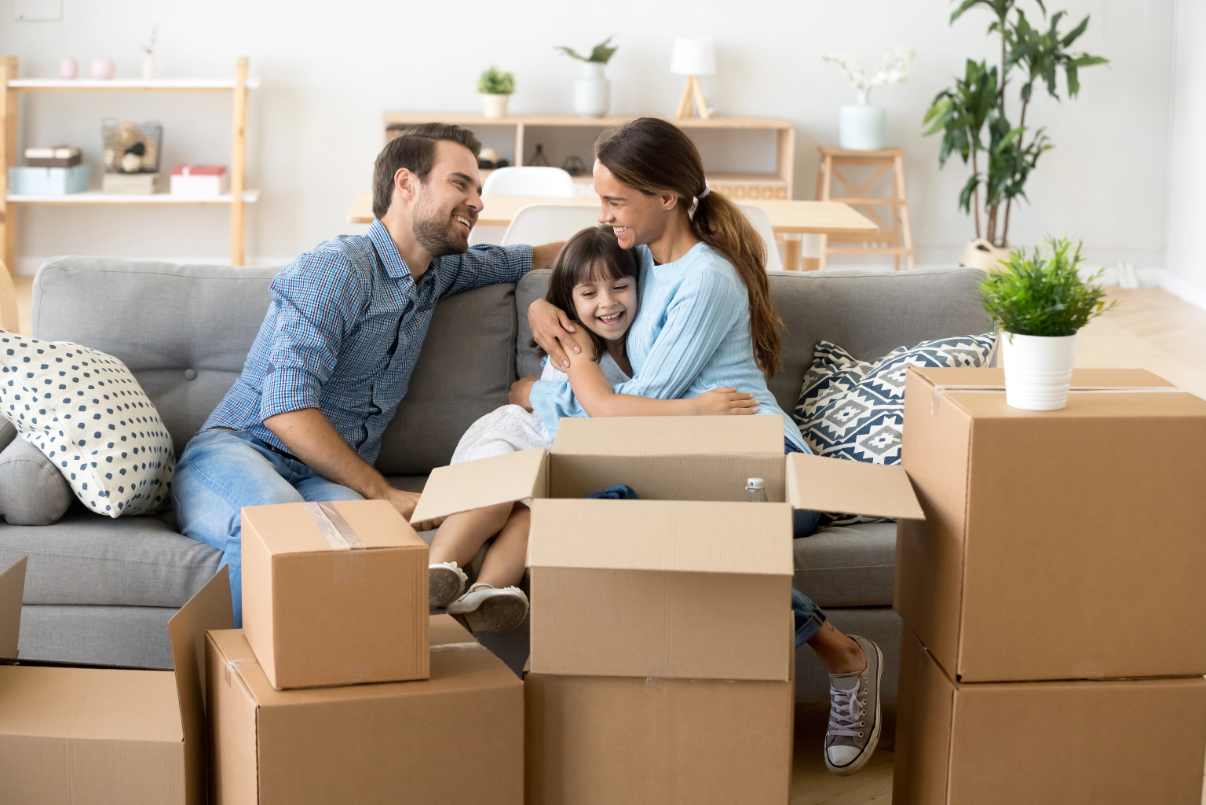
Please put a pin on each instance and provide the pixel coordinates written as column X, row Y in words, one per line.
column 414, row 149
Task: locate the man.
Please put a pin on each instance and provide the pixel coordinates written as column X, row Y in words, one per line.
column 334, row 355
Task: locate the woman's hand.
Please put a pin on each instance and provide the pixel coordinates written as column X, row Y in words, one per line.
column 520, row 391
column 551, row 330
column 719, row 402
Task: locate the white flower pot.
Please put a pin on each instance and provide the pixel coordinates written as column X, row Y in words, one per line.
column 983, row 255
column 148, row 68
column 494, row 105
column 1038, row 370
column 592, row 92
column 863, row 127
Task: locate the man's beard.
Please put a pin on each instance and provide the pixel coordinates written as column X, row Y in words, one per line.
column 438, row 237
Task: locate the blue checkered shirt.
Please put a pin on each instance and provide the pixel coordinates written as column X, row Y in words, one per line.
column 344, row 331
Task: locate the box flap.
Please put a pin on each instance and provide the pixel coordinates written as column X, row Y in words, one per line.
column 210, row 608
column 485, row 482
column 670, row 535
column 850, row 487
column 12, row 593
column 635, row 437
column 290, row 528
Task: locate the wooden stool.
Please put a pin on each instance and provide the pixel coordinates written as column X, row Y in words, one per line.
column 895, row 238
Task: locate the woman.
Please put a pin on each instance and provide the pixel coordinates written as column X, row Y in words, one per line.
column 706, row 320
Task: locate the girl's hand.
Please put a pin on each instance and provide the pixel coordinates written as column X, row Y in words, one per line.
column 719, row 402
column 551, row 330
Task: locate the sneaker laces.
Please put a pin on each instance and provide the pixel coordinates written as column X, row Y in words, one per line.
column 845, row 711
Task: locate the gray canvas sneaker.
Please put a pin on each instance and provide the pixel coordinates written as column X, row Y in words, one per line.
column 854, row 717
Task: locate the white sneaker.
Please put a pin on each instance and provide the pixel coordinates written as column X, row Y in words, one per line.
column 487, row 609
column 445, row 583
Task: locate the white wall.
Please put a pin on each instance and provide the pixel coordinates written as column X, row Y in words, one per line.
column 1187, row 161
column 330, row 69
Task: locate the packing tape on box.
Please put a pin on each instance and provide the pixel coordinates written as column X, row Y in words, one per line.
column 456, row 646
column 348, row 563
column 940, row 390
column 236, row 666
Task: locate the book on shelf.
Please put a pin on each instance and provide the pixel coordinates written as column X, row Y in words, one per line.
column 130, row 183
column 53, row 152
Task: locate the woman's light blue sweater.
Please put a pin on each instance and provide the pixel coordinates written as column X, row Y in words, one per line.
column 691, row 335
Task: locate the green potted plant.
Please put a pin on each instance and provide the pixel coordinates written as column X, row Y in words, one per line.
column 495, row 87
column 592, row 92
column 975, row 124
column 1040, row 304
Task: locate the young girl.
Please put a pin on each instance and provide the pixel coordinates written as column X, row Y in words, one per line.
column 595, row 280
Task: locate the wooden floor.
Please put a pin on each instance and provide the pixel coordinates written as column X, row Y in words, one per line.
column 1150, row 329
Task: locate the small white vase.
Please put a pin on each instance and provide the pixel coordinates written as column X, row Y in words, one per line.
column 592, row 92
column 983, row 255
column 494, row 105
column 863, row 127
column 1038, row 370
column 148, row 68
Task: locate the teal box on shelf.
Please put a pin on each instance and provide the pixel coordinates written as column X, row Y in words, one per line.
column 27, row 181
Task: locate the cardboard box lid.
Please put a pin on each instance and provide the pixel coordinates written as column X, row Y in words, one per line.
column 292, row 528
column 641, row 437
column 485, row 482
column 198, row 170
column 691, row 536
column 850, row 487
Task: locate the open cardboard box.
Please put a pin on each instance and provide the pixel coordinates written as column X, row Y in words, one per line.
column 690, row 581
column 1057, row 544
column 71, row 733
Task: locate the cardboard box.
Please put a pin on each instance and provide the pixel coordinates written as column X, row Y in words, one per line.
column 620, row 740
column 452, row 739
column 1056, row 545
column 690, row 582
column 200, row 181
column 334, row 593
column 47, row 181
column 106, row 736
column 1005, row 743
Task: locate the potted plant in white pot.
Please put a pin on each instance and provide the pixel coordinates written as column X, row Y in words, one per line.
column 1040, row 303
column 592, row 91
column 1003, row 156
column 495, row 87
column 865, row 127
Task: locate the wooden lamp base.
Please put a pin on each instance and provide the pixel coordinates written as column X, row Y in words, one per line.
column 692, row 91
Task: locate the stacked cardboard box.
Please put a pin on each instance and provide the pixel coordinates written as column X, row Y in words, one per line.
column 341, row 687
column 1053, row 595
column 662, row 658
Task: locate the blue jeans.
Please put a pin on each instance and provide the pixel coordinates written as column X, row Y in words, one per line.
column 809, row 616
column 219, row 473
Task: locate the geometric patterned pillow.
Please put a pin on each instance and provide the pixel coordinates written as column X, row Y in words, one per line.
column 855, row 410
column 85, row 411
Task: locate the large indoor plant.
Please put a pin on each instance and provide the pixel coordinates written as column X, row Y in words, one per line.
column 1040, row 303
column 973, row 116
column 495, row 88
column 592, row 91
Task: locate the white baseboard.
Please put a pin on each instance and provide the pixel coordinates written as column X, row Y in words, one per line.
column 1193, row 294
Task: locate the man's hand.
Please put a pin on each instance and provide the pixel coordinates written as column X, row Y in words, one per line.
column 551, row 330
column 403, row 502
column 521, row 391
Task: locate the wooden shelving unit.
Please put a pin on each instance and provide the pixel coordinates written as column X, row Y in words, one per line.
column 759, row 186
column 11, row 85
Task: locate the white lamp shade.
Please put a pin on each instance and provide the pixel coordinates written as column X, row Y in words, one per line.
column 693, row 56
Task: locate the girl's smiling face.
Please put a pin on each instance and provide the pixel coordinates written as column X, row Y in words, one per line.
column 606, row 306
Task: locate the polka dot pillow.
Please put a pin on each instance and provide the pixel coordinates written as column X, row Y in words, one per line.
column 88, row 415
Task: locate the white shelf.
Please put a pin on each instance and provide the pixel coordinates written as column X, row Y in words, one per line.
column 97, row 197
column 158, row 84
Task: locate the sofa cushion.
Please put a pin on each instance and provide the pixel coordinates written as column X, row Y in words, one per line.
column 535, row 285
column 847, row 566
column 465, row 370
column 32, row 490
column 84, row 559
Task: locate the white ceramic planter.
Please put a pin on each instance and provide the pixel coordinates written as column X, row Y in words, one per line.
column 983, row 255
column 494, row 105
column 863, row 127
column 592, row 92
column 1038, row 370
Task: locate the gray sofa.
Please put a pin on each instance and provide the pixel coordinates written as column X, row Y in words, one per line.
column 102, row 590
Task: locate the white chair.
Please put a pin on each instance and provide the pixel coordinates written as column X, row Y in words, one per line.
column 549, row 223
column 530, row 181
column 758, row 217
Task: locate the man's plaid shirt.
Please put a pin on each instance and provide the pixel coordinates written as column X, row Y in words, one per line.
column 344, row 331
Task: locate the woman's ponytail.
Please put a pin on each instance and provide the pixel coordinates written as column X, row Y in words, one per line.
column 654, row 156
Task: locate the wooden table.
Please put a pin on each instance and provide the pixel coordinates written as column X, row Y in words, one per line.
column 788, row 218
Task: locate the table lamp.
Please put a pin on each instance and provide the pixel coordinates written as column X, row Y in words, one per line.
column 693, row 57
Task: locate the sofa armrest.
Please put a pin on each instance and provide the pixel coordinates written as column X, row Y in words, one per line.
column 7, row 433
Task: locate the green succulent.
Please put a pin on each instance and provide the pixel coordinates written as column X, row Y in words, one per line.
column 1043, row 293
column 601, row 53
column 496, row 82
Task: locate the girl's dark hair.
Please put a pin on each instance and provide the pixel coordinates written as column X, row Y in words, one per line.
column 591, row 255
column 655, row 157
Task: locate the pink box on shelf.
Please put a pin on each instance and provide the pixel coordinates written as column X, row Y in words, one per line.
column 200, row 181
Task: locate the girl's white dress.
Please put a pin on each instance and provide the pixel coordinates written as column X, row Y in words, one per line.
column 511, row 428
